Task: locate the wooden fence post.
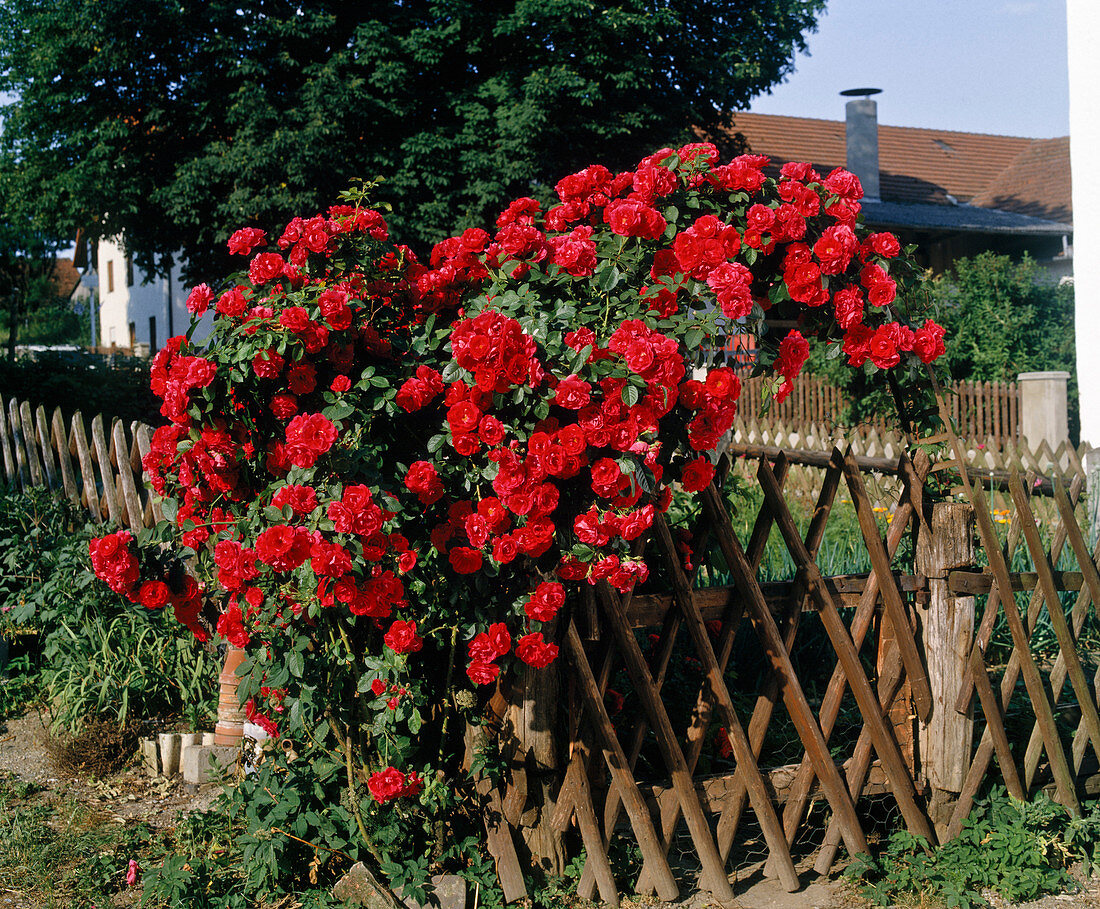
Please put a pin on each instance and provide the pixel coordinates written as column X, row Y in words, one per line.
column 947, row 628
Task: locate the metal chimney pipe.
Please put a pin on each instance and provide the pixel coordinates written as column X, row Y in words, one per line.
column 861, row 116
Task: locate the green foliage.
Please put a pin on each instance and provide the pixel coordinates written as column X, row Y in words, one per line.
column 99, row 657
column 221, row 114
column 1020, row 850
column 91, row 383
column 18, row 687
column 1003, row 317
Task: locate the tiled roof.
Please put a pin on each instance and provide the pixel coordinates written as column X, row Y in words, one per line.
column 65, row 277
column 1011, row 173
column 1037, row 183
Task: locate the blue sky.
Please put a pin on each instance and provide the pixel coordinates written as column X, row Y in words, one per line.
column 987, row 66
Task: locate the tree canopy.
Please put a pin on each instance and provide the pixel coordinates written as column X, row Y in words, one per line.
column 173, row 122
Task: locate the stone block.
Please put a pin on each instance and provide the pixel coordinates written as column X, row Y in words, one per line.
column 150, row 760
column 169, row 754
column 358, row 888
column 196, row 760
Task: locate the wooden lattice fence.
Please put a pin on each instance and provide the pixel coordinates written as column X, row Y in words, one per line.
column 839, row 697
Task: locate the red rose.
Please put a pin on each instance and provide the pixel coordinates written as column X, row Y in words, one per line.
column 282, row 547
column 572, row 392
column 499, row 638
column 545, row 602
column 301, row 499
column 340, row 384
column 402, row 637
column 284, row 406
column 308, row 436
column 534, row 651
column 301, row 378
column 295, row 319
column 465, row 560
column 697, row 475
column 378, row 688
column 386, row 785
column 198, row 301
column 267, row 364
column 928, row 341
column 482, row 672
column 154, row 594
column 265, row 267
column 245, row 240
column 423, row 480
column 231, row 627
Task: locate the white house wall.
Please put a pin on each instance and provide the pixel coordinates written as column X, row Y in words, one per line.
column 121, row 303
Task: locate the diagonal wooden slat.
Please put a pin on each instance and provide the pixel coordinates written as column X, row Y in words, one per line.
column 986, row 747
column 64, row 458
column 79, row 441
column 897, row 773
column 616, row 762
column 891, row 596
column 659, row 664
column 758, row 793
column 1066, row 642
column 1089, row 594
column 731, row 620
column 1066, row 793
column 793, row 697
column 913, row 476
column 106, row 471
column 42, row 432
column 37, row 476
column 11, row 471
column 130, row 497
column 714, row 876
column 18, row 442
column 989, row 618
column 995, row 723
column 788, row 622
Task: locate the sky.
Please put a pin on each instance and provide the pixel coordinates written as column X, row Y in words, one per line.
column 986, row 66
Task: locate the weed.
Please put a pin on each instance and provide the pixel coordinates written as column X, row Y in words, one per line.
column 1018, row 849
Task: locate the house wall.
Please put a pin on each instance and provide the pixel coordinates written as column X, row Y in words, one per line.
column 126, row 299
column 1084, row 128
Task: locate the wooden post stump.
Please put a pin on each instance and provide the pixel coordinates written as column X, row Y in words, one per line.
column 946, row 739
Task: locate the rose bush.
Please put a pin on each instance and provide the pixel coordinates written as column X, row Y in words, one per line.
column 386, row 476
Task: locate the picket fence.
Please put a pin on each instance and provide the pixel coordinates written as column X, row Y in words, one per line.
column 981, row 410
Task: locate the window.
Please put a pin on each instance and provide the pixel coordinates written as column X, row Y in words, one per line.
column 129, row 272
column 110, row 276
column 133, row 334
column 153, row 334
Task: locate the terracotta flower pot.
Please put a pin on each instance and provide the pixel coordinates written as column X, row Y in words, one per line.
column 229, row 729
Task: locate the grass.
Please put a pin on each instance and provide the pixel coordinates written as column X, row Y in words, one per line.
column 61, row 852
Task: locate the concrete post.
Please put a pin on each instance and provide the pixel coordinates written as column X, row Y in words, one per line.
column 1043, row 416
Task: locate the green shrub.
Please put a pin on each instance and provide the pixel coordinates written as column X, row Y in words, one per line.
column 98, row 656
column 1020, row 850
column 115, row 386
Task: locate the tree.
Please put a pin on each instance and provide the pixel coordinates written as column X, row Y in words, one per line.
column 174, row 122
column 1002, row 316
column 26, row 277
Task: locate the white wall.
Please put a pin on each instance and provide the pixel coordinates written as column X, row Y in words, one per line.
column 121, row 303
column 1083, row 19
